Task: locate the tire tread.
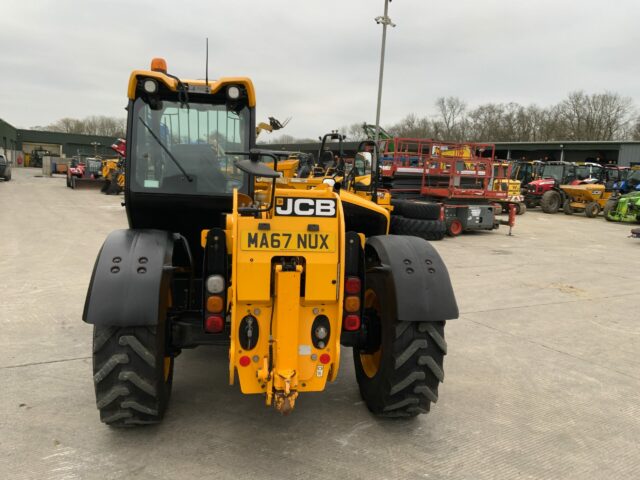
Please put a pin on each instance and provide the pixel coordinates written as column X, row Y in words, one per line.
column 128, row 376
column 411, row 384
column 427, row 229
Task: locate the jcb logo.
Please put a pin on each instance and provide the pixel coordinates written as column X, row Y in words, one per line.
column 306, row 207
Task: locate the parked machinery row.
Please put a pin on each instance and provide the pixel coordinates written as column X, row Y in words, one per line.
column 470, row 184
column 105, row 174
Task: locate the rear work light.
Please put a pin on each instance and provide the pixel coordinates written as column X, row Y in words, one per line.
column 215, row 284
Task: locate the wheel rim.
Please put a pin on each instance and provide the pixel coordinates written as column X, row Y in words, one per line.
column 456, row 227
column 166, row 368
column 371, row 361
column 166, row 365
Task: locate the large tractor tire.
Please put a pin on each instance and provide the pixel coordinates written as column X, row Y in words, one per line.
column 609, row 207
column 551, row 202
column 521, row 208
column 132, row 374
column 592, row 209
column 567, row 208
column 401, row 377
column 427, row 229
column 416, row 210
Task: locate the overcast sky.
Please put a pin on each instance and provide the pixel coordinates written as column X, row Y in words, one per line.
column 316, row 61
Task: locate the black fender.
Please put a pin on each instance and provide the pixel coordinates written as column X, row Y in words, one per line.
column 415, row 276
column 132, row 271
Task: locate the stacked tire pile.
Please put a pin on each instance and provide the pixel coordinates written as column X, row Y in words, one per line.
column 419, row 219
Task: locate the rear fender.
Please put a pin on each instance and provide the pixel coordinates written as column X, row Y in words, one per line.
column 132, row 270
column 415, row 276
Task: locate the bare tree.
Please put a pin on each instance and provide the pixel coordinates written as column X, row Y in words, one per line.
column 284, row 138
column 94, row 125
column 635, row 130
column 599, row 116
column 485, row 123
column 354, row 132
column 450, row 117
column 412, row 126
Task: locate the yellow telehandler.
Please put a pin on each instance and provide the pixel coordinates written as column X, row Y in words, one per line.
column 218, row 252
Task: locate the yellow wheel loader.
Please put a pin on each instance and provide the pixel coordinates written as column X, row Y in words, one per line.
column 219, row 252
column 355, row 175
column 274, row 124
column 113, row 174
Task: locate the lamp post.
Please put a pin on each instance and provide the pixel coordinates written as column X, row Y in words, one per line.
column 95, row 148
column 385, row 21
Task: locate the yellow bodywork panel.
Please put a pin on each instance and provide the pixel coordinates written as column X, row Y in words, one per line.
column 172, row 84
column 288, row 167
column 363, row 201
column 514, row 187
column 287, row 270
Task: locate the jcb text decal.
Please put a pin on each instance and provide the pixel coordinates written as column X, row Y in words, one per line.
column 305, row 207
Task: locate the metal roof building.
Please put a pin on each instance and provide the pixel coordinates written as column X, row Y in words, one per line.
column 69, row 144
column 625, row 153
column 17, row 144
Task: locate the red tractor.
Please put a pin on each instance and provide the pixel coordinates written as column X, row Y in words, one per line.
column 552, row 175
column 85, row 172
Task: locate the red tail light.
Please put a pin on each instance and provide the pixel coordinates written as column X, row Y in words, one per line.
column 442, row 212
column 351, row 322
column 214, row 324
column 352, row 285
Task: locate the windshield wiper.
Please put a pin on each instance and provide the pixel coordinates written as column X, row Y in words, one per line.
column 164, row 147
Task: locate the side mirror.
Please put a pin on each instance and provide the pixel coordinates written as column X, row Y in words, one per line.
column 254, row 167
column 363, row 162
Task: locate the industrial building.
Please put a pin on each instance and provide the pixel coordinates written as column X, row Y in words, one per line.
column 27, row 147
column 624, row 153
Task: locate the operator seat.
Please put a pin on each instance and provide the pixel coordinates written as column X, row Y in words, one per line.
column 201, row 161
column 326, row 160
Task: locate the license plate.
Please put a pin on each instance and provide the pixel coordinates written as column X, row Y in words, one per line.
column 288, row 241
